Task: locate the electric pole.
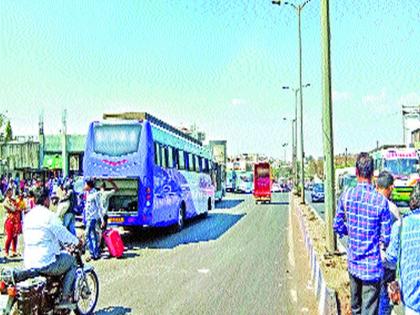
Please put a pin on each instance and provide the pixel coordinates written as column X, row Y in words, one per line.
column 327, row 126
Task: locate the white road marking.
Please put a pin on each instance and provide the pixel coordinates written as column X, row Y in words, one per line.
column 203, row 270
column 291, row 254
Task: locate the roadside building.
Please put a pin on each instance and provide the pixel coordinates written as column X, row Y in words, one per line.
column 60, row 154
column 415, row 138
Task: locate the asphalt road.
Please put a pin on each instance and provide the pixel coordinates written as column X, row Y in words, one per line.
column 238, row 260
column 242, row 259
column 318, row 206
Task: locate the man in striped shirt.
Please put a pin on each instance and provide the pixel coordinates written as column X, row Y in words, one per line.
column 363, row 214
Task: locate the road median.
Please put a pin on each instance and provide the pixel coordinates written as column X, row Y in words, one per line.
column 328, row 272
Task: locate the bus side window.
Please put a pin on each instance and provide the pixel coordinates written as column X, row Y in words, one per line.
column 191, row 162
column 206, row 166
column 200, row 164
column 171, row 163
column 175, row 154
column 197, row 164
column 181, row 160
column 163, row 156
column 157, row 154
column 187, row 161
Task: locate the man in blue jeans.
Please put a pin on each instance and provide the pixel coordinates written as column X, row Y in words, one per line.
column 363, row 214
column 94, row 218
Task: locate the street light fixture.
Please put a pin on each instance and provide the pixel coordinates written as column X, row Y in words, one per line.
column 298, row 9
column 295, row 169
column 284, row 147
column 294, row 145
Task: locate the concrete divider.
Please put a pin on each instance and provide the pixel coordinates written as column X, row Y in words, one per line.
column 327, row 298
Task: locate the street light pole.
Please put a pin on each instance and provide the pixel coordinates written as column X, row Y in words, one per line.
column 298, row 9
column 295, row 132
column 295, row 147
column 327, row 127
column 302, row 152
column 345, row 159
column 294, row 144
column 284, row 147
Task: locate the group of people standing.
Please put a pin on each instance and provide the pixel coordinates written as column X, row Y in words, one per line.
column 19, row 199
column 383, row 246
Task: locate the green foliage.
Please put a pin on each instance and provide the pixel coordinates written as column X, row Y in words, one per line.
column 283, row 171
column 8, row 132
column 275, row 173
column 315, row 168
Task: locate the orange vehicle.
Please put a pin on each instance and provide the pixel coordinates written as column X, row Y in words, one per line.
column 262, row 182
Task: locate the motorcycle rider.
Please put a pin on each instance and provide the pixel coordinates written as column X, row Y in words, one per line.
column 44, row 236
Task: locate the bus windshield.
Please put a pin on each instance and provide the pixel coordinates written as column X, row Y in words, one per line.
column 402, row 166
column 116, row 140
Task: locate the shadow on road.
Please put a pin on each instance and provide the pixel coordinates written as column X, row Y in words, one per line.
column 129, row 255
column 114, row 310
column 195, row 231
column 228, row 204
column 282, row 203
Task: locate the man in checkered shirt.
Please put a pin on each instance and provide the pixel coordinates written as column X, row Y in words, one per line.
column 363, row 214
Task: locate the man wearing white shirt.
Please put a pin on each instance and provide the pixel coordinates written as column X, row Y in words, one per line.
column 44, row 236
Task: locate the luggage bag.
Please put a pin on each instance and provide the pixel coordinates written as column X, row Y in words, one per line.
column 114, row 242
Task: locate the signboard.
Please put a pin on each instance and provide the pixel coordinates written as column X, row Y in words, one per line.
column 52, row 162
column 400, row 154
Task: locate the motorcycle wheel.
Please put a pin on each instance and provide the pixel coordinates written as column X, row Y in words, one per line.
column 88, row 293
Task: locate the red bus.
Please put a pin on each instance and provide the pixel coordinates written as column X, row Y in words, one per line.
column 262, row 182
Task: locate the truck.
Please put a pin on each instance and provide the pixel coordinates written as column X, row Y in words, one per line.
column 262, row 182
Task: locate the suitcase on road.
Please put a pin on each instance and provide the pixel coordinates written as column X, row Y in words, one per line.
column 114, row 242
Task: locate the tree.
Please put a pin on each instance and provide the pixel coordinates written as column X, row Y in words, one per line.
column 8, row 132
column 315, row 168
column 2, row 120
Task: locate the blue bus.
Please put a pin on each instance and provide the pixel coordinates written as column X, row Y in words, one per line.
column 162, row 174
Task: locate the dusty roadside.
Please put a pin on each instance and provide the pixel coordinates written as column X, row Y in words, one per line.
column 334, row 267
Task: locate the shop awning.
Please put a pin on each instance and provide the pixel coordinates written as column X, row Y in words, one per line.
column 52, row 162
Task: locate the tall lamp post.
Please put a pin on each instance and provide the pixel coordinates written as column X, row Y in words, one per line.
column 298, row 9
column 284, row 145
column 293, row 121
column 294, row 148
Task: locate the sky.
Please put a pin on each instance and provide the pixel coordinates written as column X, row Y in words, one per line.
column 218, row 64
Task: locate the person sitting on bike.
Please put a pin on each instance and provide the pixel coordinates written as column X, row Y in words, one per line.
column 44, row 235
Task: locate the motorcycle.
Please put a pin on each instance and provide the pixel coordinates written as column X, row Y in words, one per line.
column 27, row 292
